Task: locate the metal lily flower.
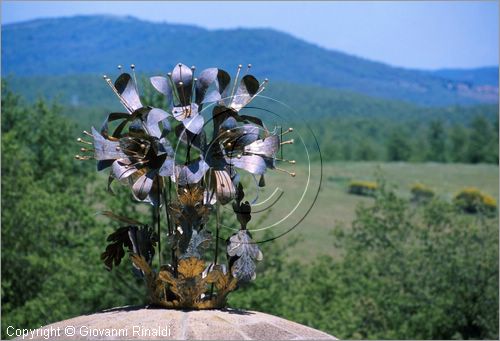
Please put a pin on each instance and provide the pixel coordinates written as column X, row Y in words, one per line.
column 139, row 154
column 238, row 141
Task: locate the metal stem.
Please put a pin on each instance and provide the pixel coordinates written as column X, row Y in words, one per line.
column 158, row 221
column 217, row 222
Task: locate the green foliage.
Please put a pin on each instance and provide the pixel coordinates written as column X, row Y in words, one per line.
column 437, row 141
column 50, row 260
column 406, row 272
column 398, row 147
column 482, row 146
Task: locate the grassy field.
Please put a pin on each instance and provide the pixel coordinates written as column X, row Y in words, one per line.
column 335, row 206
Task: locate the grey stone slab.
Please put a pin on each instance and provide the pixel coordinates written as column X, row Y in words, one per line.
column 140, row 323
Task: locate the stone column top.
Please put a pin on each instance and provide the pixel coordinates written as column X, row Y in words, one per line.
column 141, row 323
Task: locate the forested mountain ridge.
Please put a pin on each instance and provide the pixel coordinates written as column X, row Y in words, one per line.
column 95, row 44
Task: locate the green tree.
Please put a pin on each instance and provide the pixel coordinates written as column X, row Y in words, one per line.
column 365, row 150
column 437, row 141
column 51, row 239
column 398, row 147
column 458, row 138
column 483, row 145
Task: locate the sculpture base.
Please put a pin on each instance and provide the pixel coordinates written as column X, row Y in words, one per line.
column 142, row 323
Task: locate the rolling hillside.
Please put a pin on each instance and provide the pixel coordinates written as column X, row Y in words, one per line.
column 95, row 44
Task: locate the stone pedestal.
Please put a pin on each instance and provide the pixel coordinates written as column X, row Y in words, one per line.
column 141, row 323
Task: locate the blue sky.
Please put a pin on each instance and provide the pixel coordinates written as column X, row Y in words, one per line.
column 419, row 34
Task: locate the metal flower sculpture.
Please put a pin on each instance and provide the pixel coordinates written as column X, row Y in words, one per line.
column 140, row 155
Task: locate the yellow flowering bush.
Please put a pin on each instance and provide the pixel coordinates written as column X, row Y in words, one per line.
column 365, row 188
column 472, row 200
column 421, row 193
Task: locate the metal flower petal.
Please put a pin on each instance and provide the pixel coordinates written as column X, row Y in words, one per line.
column 162, row 85
column 153, row 118
column 191, row 173
column 122, row 169
column 127, row 88
column 248, row 88
column 251, row 163
column 182, row 77
column 105, row 149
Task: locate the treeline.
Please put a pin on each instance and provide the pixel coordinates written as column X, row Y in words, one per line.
column 362, row 139
column 348, row 126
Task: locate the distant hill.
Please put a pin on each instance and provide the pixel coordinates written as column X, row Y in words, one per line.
column 478, row 76
column 96, row 44
column 82, row 94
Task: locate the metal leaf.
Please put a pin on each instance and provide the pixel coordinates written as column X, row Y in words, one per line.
column 240, row 208
column 143, row 241
column 243, row 211
column 198, row 240
column 139, row 240
column 119, row 240
column 244, row 269
column 243, row 252
column 126, row 87
column 191, row 267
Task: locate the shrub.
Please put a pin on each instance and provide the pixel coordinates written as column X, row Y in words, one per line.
column 365, row 188
column 472, row 200
column 421, row 193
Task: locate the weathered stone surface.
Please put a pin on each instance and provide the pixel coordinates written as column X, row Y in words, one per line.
column 141, row 323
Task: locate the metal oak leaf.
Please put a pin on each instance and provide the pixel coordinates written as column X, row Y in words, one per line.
column 243, row 252
column 198, row 240
column 115, row 250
